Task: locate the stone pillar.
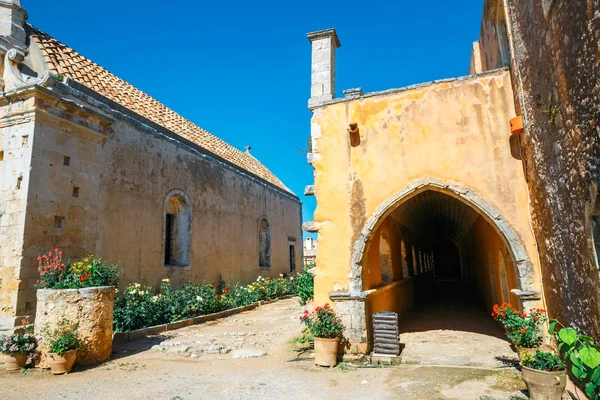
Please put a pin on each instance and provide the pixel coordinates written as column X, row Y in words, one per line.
column 351, row 309
column 324, row 43
column 91, row 307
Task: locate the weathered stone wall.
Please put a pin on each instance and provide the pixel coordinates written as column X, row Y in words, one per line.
column 16, row 138
column 91, row 308
column 556, row 71
column 99, row 184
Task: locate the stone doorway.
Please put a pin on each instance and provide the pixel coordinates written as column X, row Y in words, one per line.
column 456, row 240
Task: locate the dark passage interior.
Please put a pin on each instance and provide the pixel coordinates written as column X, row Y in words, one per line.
column 439, row 264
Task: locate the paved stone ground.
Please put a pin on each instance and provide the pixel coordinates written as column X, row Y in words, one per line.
column 199, row 362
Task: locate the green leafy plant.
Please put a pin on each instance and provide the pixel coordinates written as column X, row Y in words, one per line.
column 523, row 330
column 23, row 341
column 140, row 306
column 62, row 337
column 89, row 272
column 543, row 361
column 551, row 110
column 305, row 286
column 583, row 354
column 323, row 323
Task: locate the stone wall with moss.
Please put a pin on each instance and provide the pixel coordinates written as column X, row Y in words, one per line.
column 555, row 56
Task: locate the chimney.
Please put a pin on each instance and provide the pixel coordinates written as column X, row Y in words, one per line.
column 322, row 87
column 12, row 26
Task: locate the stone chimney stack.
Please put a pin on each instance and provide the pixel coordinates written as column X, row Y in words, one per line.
column 12, row 26
column 324, row 43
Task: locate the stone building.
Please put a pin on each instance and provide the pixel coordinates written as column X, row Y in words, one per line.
column 90, row 164
column 310, row 251
column 439, row 184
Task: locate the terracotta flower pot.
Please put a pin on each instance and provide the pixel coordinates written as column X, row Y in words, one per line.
column 543, row 385
column 326, row 351
column 62, row 365
column 15, row 361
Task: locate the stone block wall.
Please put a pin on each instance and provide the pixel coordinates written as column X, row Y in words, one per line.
column 16, row 142
column 556, row 79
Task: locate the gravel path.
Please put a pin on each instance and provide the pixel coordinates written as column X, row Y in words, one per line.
column 249, row 356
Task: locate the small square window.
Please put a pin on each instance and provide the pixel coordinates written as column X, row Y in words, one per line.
column 58, row 220
column 75, row 191
column 67, row 161
column 19, row 181
column 1, row 155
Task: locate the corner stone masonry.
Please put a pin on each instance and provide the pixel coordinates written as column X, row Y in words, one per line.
column 92, row 308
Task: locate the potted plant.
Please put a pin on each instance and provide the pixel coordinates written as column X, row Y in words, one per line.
column 326, row 329
column 523, row 330
column 63, row 344
column 18, row 347
column 545, row 375
column 82, row 290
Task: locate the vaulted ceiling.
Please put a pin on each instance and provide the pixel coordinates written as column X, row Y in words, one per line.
column 433, row 215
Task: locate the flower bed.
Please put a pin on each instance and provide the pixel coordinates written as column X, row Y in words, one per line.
column 140, row 306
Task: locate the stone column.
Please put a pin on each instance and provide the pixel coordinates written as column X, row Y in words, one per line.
column 351, row 309
column 324, row 43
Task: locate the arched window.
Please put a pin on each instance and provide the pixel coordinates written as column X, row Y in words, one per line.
column 177, row 229
column 264, row 243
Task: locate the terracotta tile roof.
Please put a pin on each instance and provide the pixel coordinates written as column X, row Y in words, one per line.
column 65, row 61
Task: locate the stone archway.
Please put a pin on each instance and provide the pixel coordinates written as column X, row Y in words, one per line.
column 524, row 268
column 353, row 305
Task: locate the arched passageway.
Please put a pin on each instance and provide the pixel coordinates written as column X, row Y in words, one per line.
column 451, row 257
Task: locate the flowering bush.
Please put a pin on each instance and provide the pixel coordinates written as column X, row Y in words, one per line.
column 140, row 307
column 90, row 272
column 523, row 330
column 62, row 337
column 323, row 323
column 305, row 286
column 19, row 342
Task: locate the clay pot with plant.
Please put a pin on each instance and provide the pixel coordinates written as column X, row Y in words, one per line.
column 18, row 347
column 64, row 344
column 326, row 329
column 545, row 375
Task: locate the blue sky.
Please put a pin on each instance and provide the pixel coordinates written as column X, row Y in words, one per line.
column 241, row 69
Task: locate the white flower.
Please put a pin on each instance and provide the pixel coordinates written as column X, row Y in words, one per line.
column 198, row 298
column 137, row 285
column 166, row 280
column 259, row 278
column 281, row 275
column 154, row 299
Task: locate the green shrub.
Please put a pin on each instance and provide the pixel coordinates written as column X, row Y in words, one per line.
column 305, row 286
column 543, row 361
column 139, row 307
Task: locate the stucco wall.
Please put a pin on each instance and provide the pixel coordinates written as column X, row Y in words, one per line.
column 456, row 131
column 556, row 71
column 124, row 173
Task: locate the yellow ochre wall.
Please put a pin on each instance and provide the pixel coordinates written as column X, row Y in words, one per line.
column 456, row 131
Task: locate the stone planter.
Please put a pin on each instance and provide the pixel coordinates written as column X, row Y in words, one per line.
column 15, row 361
column 543, row 385
column 61, row 365
column 91, row 307
column 326, row 351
